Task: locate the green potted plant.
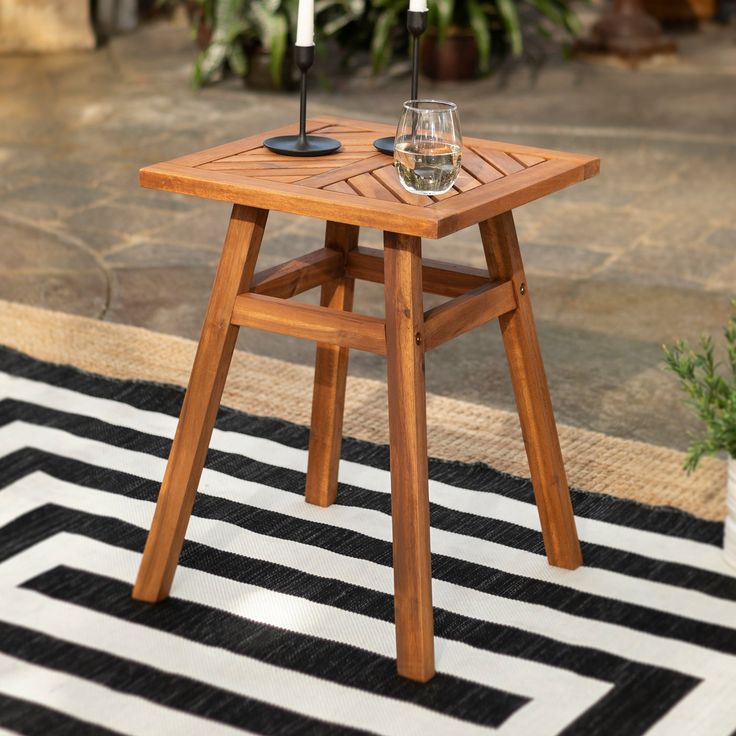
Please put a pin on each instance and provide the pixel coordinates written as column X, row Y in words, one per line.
column 711, row 392
column 462, row 34
column 254, row 37
column 240, row 31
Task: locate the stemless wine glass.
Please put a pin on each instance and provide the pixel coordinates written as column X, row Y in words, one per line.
column 428, row 146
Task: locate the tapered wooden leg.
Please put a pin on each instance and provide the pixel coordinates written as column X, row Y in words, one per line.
column 409, row 466
column 532, row 397
column 330, row 374
column 201, row 402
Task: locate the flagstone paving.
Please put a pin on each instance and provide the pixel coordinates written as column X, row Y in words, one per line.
column 639, row 256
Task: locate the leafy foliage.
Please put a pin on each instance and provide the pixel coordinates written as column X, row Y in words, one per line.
column 387, row 18
column 711, row 392
column 243, row 25
column 504, row 22
column 227, row 20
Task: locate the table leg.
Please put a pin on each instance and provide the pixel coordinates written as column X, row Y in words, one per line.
column 532, row 397
column 201, row 402
column 330, row 375
column 409, row 465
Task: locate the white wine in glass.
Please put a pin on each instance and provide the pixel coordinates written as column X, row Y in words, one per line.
column 427, row 167
column 428, row 147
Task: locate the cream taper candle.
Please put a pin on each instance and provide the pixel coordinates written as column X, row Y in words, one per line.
column 418, row 6
column 305, row 23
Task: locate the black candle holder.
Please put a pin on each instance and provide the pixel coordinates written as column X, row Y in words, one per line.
column 303, row 144
column 416, row 22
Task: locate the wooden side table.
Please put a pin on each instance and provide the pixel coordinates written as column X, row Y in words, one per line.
column 353, row 188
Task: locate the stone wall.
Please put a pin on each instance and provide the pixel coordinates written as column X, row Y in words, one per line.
column 45, row 25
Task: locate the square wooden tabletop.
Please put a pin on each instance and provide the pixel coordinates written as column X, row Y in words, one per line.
column 358, row 185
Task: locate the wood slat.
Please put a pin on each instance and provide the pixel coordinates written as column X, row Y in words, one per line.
column 353, row 136
column 258, row 171
column 284, row 179
column 502, row 161
column 439, row 197
column 300, row 274
column 345, row 172
column 270, row 174
column 263, row 155
column 369, row 186
column 390, row 179
column 356, row 148
column 313, row 187
column 438, row 277
column 341, row 186
column 241, row 145
column 508, row 193
column 465, row 182
column 466, row 312
column 528, row 160
column 310, row 322
column 331, row 129
column 294, row 198
column 479, row 168
column 381, row 129
column 282, row 162
column 546, row 153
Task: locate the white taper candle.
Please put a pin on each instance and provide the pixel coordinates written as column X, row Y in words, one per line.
column 418, row 6
column 305, row 23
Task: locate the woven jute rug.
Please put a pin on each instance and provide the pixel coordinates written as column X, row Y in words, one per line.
column 457, row 430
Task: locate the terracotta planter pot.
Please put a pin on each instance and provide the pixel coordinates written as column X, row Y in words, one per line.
column 729, row 538
column 681, row 10
column 198, row 21
column 454, row 60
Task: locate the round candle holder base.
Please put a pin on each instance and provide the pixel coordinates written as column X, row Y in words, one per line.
column 385, row 145
column 310, row 145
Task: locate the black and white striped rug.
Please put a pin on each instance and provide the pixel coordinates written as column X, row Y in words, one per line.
column 280, row 620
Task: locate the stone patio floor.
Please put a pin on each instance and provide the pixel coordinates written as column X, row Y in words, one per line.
column 641, row 255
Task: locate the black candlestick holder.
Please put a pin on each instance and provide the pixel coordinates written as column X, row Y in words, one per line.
column 303, row 144
column 416, row 22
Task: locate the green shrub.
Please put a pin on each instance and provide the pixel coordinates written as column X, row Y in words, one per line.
column 239, row 26
column 711, row 392
column 504, row 22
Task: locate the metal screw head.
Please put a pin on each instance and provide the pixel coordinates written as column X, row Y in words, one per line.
column 418, row 338
column 522, row 289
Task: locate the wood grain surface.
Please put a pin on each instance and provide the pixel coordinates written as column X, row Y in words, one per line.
column 409, row 463
column 299, row 274
column 532, row 397
column 330, row 374
column 466, row 312
column 359, row 186
column 311, row 322
column 201, row 402
column 352, row 188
